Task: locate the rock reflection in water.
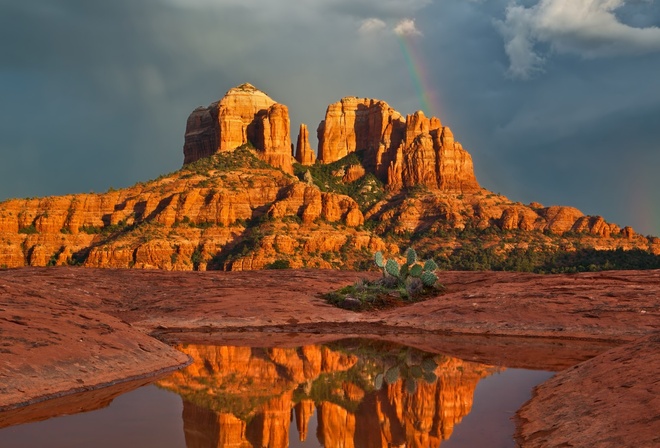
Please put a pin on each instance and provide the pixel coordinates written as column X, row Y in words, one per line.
column 365, row 394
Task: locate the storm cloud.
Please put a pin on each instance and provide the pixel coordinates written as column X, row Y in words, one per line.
column 557, row 102
column 587, row 28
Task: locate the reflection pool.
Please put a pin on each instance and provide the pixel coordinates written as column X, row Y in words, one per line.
column 348, row 393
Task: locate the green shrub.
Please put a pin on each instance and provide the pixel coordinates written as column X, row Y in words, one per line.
column 29, row 230
column 408, row 282
column 90, row 230
column 278, row 264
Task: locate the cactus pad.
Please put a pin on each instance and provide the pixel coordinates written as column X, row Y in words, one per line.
column 411, row 386
column 392, row 375
column 428, row 278
column 403, row 272
column 411, row 256
column 430, row 377
column 416, row 271
column 416, row 371
column 429, row 365
column 378, row 259
column 378, row 381
column 430, row 265
column 392, row 267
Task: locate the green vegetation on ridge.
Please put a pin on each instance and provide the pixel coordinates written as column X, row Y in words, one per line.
column 366, row 191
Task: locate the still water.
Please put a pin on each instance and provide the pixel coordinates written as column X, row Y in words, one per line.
column 353, row 393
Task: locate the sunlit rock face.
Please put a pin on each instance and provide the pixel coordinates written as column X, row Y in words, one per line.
column 244, row 116
column 380, row 396
column 304, row 152
column 401, row 152
column 162, row 223
column 404, row 175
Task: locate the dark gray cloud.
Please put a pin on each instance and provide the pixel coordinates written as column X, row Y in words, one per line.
column 96, row 94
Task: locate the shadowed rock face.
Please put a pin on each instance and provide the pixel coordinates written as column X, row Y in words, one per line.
column 242, row 397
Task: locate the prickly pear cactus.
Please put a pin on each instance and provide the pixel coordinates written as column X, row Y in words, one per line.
column 429, row 365
column 392, row 375
column 378, row 381
column 428, row 278
column 378, row 259
column 430, row 265
column 411, row 256
column 430, row 377
column 416, row 271
column 392, row 267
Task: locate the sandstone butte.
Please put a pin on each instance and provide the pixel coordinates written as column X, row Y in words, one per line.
column 235, row 204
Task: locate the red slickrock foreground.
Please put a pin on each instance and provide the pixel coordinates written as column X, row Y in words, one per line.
column 70, row 329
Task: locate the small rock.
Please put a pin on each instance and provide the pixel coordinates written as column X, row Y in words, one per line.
column 351, row 303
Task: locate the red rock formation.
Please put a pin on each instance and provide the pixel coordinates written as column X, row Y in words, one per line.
column 455, row 169
column 358, row 123
column 310, row 204
column 304, row 411
column 402, row 153
column 522, row 218
column 245, row 116
column 167, row 223
column 560, row 219
column 205, row 212
column 304, row 152
column 336, row 426
column 274, row 138
column 353, row 173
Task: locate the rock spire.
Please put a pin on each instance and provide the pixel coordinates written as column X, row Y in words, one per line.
column 400, row 152
column 304, row 152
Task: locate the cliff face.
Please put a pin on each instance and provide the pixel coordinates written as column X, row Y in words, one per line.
column 244, row 116
column 400, row 152
column 186, row 221
column 256, row 391
column 379, row 177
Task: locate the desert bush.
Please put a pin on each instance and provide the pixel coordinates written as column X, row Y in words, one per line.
column 408, row 282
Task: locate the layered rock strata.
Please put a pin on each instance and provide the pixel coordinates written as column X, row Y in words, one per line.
column 401, row 152
column 235, row 212
column 183, row 222
column 244, row 116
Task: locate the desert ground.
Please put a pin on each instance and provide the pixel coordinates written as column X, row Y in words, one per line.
column 78, row 335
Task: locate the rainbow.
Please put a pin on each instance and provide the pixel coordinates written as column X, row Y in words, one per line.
column 419, row 75
column 643, row 206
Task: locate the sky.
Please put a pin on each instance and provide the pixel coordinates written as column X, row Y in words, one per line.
column 557, row 101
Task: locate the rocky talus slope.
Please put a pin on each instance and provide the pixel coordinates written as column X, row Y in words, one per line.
column 242, row 201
